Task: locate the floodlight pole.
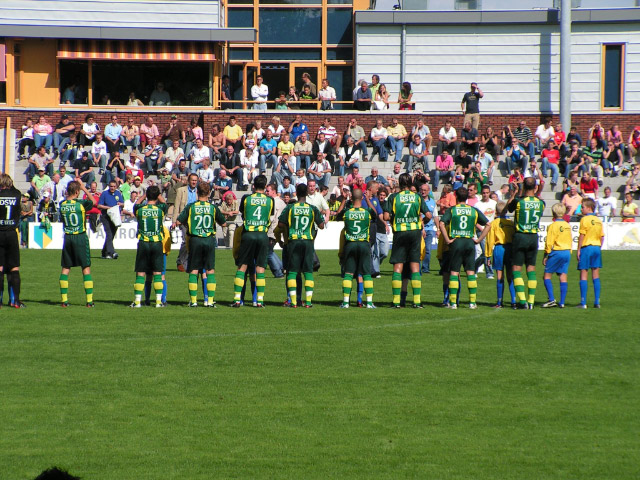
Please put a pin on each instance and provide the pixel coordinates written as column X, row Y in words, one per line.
column 565, row 64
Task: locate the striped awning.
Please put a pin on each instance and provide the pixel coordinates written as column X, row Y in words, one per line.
column 136, row 50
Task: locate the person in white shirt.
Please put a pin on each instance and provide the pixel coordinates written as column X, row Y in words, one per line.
column 379, row 139
column 447, row 137
column 326, row 95
column 543, row 133
column 349, row 156
column 320, row 171
column 276, row 129
column 260, row 94
column 99, row 152
column 503, row 194
column 198, row 155
column 127, row 210
column 249, row 164
column 205, row 174
column 487, row 163
column 330, row 133
column 134, row 163
column 606, row 206
column 488, row 208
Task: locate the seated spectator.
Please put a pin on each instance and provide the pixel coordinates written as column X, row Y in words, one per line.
column 348, row 156
column 629, row 209
column 544, row 133
column 84, row 169
column 222, row 184
column 375, row 177
column 137, row 186
column 326, row 95
column 307, row 98
column 99, row 153
column 88, row 131
column 425, row 134
column 134, row 101
column 379, row 136
column 164, row 178
column 393, row 177
column 276, row 128
column 286, row 187
column 613, row 158
column 134, row 165
column 589, row 186
column 330, row 133
column 363, row 97
column 148, row 130
column 154, row 157
column 507, row 137
column 532, row 171
column 337, row 189
column 592, row 157
column 195, row 131
column 62, row 133
column 574, row 136
column 616, row 158
column 571, row 181
column 26, row 140
column 249, row 141
column 127, row 210
column 491, row 142
column 572, row 201
column 324, row 147
column 249, row 164
column 320, row 169
column 231, row 165
column 160, row 97
column 43, row 133
column 351, row 178
column 233, row 134
column 486, row 162
column 38, row 182
column 597, row 133
column 420, row 177
column 525, row 138
column 560, row 138
column 118, row 164
column 464, row 161
column 551, row 161
column 65, row 178
column 606, row 206
column 469, row 139
column 417, row 154
column 443, row 170
column 300, row 177
column 297, row 128
column 633, row 146
column 405, row 97
column 476, row 176
column 633, row 182
column 112, row 134
column 47, row 209
column 356, row 132
column 381, row 98
column 447, row 140
column 285, row 146
column 205, row 174
column 198, row 154
column 286, row 167
column 131, row 136
column 173, row 132
column 268, row 151
column 575, row 160
column 516, row 155
column 40, row 159
column 303, row 150
column 503, row 193
column 173, row 154
column 396, row 135
column 358, row 183
column 516, row 179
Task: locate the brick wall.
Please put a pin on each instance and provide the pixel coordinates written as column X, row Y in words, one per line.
column 314, row 119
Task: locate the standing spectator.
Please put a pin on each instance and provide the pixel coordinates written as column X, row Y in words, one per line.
column 417, row 154
column 260, row 94
column 225, row 92
column 174, row 132
column 396, row 135
column 65, row 178
column 327, row 95
column 108, row 199
column 544, row 132
column 363, row 98
column 486, row 206
column 43, row 133
column 69, row 96
column 551, row 160
column 425, row 134
column 131, row 136
column 303, row 150
column 320, row 171
column 306, row 82
column 99, row 153
column 405, row 97
column 447, row 139
column 184, row 196
column 470, row 138
column 62, row 133
column 148, row 130
column 230, row 209
column 112, row 133
column 444, row 169
column 379, row 136
column 606, row 206
column 233, row 134
column 47, row 208
column 26, row 217
column 525, row 137
column 471, row 101
column 160, row 97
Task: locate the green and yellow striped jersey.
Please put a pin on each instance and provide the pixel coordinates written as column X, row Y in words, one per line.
column 256, row 209
column 150, row 219
column 528, row 213
column 73, row 214
column 461, row 220
column 300, row 218
column 200, row 219
column 357, row 223
column 405, row 209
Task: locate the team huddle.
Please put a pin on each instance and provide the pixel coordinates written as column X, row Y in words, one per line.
column 511, row 245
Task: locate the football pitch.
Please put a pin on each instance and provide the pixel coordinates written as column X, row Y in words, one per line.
column 116, row 393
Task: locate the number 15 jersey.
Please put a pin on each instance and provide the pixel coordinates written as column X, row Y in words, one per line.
column 528, row 213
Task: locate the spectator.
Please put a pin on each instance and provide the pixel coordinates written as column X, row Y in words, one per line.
column 225, row 92
column 43, row 133
column 486, row 162
column 249, row 163
column 276, row 128
column 633, row 146
column 281, row 101
column 629, row 209
column 164, row 179
column 217, row 143
column 326, row 95
column 26, row 140
column 597, row 132
column 300, row 177
column 532, row 171
column 424, row 132
column 286, row 187
column 134, row 164
column 131, row 136
column 88, row 131
column 507, row 137
column 160, row 97
column 47, row 209
column 396, row 135
column 572, row 201
column 592, row 157
column 134, row 101
column 405, row 97
column 570, row 181
column 575, row 160
column 363, row 98
column 417, row 154
column 349, row 156
column 286, row 167
column 233, row 134
column 285, row 146
column 148, row 130
column 62, row 133
column 84, row 169
column 108, row 199
column 525, row 138
column 516, row 155
column 38, row 182
column 193, row 131
column 574, row 136
column 260, row 94
column 443, row 170
column 471, row 101
column 606, row 206
column 394, row 175
column 614, row 152
column 303, row 150
column 355, row 90
column 40, row 159
column 375, row 177
column 633, row 182
column 174, row 132
column 127, row 210
column 356, row 132
column 222, row 184
column 174, row 153
column 230, row 209
column 306, row 82
column 447, row 139
column 551, row 161
column 137, row 186
column 379, row 136
column 589, row 186
column 306, row 98
column 464, row 161
column 374, row 85
column 323, row 146
column 297, row 128
column 198, row 154
column 292, row 96
column 117, row 163
column 65, row 178
column 381, row 99
column 330, row 133
column 69, row 96
column 205, row 174
column 560, row 138
column 268, row 151
column 469, row 138
column 99, row 153
column 503, row 193
column 26, row 217
column 544, row 133
column 320, row 170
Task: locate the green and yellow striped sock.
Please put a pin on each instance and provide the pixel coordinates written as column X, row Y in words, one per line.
column 454, row 285
column 291, row 287
column 64, row 287
column 158, row 286
column 368, row 288
column 193, row 287
column 347, row 282
column 308, row 286
column 472, row 285
column 88, row 287
column 138, row 288
column 238, row 283
column 211, row 287
column 396, row 287
column 260, row 284
column 518, row 283
column 416, row 285
column 532, row 284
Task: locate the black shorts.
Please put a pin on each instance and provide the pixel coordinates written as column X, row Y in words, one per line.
column 462, row 252
column 254, row 247
column 75, row 251
column 149, row 257
column 300, row 254
column 406, row 247
column 445, row 262
column 202, row 253
column 9, row 250
column 524, row 249
column 357, row 258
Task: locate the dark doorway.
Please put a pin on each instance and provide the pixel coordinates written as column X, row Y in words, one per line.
column 276, row 77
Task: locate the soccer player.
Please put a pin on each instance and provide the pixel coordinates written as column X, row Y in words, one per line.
column 75, row 250
column 256, row 210
column 498, row 251
column 557, row 255
column 589, row 252
column 150, row 254
column 10, row 199
column 357, row 253
column 200, row 220
column 528, row 213
column 404, row 210
column 458, row 227
column 299, row 219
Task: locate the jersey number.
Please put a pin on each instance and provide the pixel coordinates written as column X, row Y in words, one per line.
column 74, row 220
column 535, row 216
column 304, row 221
column 257, row 213
column 464, row 222
column 203, row 221
column 356, row 227
column 8, row 207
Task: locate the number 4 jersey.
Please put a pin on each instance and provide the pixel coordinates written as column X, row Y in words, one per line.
column 528, row 213
column 256, row 211
column 74, row 216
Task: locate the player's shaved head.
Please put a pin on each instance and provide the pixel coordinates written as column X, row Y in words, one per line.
column 405, row 182
column 153, row 192
column 462, row 194
column 357, row 194
column 203, row 189
column 301, row 190
column 73, row 188
column 529, row 184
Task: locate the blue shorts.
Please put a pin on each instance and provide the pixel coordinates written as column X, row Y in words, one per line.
column 558, row 261
column 590, row 257
column 501, row 258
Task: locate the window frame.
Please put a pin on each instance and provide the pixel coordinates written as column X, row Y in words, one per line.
column 603, row 65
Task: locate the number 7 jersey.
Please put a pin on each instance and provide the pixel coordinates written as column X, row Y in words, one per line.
column 528, row 213
column 405, row 209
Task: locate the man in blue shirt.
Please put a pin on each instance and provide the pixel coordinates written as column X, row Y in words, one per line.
column 112, row 134
column 222, row 184
column 376, row 177
column 429, row 227
column 297, row 128
column 268, row 150
column 109, row 198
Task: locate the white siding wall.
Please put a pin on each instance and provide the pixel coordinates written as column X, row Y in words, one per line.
column 111, row 13
column 518, row 67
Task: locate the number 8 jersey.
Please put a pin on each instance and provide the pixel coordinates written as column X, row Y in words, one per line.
column 528, row 213
column 74, row 216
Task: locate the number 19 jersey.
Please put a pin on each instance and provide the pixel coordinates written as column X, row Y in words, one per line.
column 528, row 213
column 299, row 218
column 73, row 214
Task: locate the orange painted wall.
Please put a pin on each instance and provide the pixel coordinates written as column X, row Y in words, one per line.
column 39, row 79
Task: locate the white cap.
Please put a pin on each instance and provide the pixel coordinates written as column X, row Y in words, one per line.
column 168, row 166
column 46, row 194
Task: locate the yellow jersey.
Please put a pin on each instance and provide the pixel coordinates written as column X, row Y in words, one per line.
column 558, row 237
column 591, row 228
column 501, row 232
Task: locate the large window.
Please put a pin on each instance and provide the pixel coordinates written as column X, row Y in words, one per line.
column 290, row 26
column 240, row 17
column 339, row 26
column 613, row 76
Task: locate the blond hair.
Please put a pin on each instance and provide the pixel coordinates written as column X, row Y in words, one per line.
column 558, row 210
column 5, row 181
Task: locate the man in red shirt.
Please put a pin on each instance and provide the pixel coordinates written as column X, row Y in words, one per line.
column 550, row 160
column 589, row 186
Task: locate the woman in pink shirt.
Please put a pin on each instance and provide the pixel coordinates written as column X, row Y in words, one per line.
column 444, row 169
column 148, row 130
column 43, row 133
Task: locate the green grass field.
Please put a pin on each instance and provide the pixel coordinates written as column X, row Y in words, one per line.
column 115, row 393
